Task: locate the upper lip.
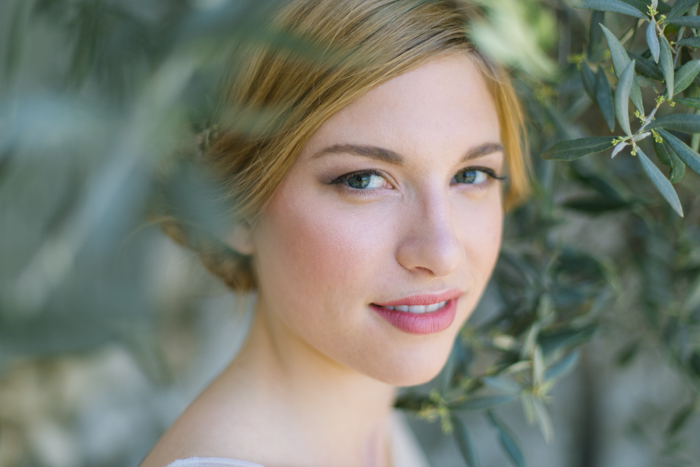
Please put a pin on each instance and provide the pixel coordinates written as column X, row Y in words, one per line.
column 424, row 299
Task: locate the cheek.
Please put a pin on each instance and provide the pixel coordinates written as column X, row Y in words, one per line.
column 310, row 250
column 481, row 229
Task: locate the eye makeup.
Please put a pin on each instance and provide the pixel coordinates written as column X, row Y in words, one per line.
column 360, row 180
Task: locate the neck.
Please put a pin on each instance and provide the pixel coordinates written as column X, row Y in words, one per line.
column 322, row 410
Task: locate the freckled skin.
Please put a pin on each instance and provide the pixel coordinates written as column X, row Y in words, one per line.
column 323, row 255
column 315, row 381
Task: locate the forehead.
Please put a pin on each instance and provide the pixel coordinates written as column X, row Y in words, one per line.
column 441, row 107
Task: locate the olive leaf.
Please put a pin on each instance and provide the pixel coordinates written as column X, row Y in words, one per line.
column 646, row 67
column 620, row 61
column 680, row 7
column 666, row 62
column 618, row 148
column 687, row 21
column 686, row 123
column 687, row 155
column 595, row 34
column 502, row 383
column 668, row 157
column 594, row 204
column 464, row 442
column 622, row 94
column 653, row 40
column 573, row 149
column 484, row 402
column 660, row 182
column 603, row 97
column 615, row 6
column 544, row 421
column 689, row 42
column 562, row 367
column 588, row 80
column 507, row 441
column 680, row 418
column 693, row 102
column 685, row 75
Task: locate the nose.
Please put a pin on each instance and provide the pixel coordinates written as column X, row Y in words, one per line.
column 430, row 240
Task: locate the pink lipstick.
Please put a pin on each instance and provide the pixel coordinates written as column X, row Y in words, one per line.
column 420, row 314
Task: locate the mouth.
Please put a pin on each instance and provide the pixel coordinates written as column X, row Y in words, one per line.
column 420, row 314
column 418, row 309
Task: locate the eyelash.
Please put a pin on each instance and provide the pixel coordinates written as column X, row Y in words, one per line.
column 343, row 178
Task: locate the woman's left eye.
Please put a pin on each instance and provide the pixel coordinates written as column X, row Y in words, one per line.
column 474, row 176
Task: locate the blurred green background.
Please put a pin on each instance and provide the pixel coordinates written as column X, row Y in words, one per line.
column 108, row 330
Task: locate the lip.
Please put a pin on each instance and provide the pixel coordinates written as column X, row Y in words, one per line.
column 424, row 299
column 423, row 323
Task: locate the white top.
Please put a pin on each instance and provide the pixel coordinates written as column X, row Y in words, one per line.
column 405, row 451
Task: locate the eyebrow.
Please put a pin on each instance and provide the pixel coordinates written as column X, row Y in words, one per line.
column 391, row 157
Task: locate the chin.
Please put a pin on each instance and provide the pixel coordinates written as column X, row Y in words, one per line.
column 413, row 368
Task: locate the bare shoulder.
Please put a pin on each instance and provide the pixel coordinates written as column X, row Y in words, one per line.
column 213, row 430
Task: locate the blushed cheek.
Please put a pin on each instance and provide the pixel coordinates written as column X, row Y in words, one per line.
column 482, row 230
column 316, row 252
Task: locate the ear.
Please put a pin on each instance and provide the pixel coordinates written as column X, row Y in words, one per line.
column 241, row 238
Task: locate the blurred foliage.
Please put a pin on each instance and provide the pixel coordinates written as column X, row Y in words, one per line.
column 96, row 94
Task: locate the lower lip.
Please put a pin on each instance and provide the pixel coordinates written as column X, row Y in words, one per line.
column 420, row 323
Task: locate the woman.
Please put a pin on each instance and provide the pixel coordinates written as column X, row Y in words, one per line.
column 369, row 217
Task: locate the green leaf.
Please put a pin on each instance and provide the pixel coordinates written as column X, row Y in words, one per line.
column 677, row 169
column 687, row 21
column 618, row 54
column 544, row 421
column 686, row 123
column 680, row 419
column 573, row 149
column 661, row 182
column 685, row 75
column 15, row 39
column 464, row 442
column 502, row 383
column 510, row 446
column 641, row 5
column 622, row 95
column 689, row 42
column 668, row 157
column 625, row 356
column 687, row 155
column 662, row 7
column 563, row 367
column 551, row 341
column 663, row 151
column 615, row 6
column 653, row 40
column 599, row 184
column 485, row 402
column 604, row 98
column 646, row 67
column 621, row 60
column 693, row 102
column 680, row 7
column 666, row 62
column 595, row 204
column 595, row 34
column 588, row 80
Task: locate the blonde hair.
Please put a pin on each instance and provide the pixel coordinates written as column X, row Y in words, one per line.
column 352, row 46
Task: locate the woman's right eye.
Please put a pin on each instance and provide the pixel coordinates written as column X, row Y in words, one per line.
column 365, row 180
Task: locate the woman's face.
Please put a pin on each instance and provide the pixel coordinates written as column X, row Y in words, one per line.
column 392, row 203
